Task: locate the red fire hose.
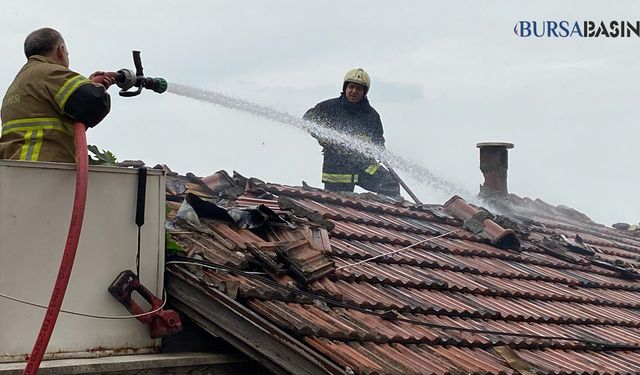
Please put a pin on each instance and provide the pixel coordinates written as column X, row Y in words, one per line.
column 75, row 227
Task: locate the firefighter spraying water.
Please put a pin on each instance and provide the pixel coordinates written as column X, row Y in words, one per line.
column 45, row 113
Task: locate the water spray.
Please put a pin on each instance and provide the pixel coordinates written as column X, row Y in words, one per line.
column 366, row 148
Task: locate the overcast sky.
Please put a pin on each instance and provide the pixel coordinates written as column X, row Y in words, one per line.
column 445, row 75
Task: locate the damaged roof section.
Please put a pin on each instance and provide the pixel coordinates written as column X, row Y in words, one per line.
column 254, row 233
column 361, row 284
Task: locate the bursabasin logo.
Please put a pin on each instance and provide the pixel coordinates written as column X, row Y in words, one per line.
column 577, row 29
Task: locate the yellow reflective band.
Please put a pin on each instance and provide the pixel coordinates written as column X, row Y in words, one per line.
column 72, row 90
column 26, row 145
column 65, row 88
column 372, row 169
column 43, row 123
column 340, row 178
column 32, row 144
column 63, row 94
column 38, row 144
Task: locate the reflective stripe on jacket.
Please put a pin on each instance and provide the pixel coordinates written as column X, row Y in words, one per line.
column 343, row 178
column 372, row 169
column 29, row 134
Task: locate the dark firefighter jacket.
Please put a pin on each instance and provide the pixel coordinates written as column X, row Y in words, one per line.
column 359, row 120
column 39, row 108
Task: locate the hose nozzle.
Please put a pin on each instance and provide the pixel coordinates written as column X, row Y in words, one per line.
column 126, row 79
column 158, row 85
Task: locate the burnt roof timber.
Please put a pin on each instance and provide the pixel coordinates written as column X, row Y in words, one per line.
column 219, row 315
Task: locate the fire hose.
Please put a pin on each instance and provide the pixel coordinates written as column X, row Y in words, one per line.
column 73, row 237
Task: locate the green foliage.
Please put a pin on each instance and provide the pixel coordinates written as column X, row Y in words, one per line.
column 171, row 247
column 102, row 157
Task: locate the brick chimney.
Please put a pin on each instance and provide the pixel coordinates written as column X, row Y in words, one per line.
column 494, row 162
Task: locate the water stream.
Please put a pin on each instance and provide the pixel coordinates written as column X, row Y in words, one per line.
column 416, row 171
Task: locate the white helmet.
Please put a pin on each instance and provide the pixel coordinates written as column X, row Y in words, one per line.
column 358, row 76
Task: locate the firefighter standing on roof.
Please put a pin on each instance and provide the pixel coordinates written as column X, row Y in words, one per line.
column 45, row 98
column 351, row 113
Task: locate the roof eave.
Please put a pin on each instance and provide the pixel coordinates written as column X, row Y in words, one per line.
column 222, row 316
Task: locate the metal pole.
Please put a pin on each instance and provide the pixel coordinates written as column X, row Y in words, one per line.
column 404, row 186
